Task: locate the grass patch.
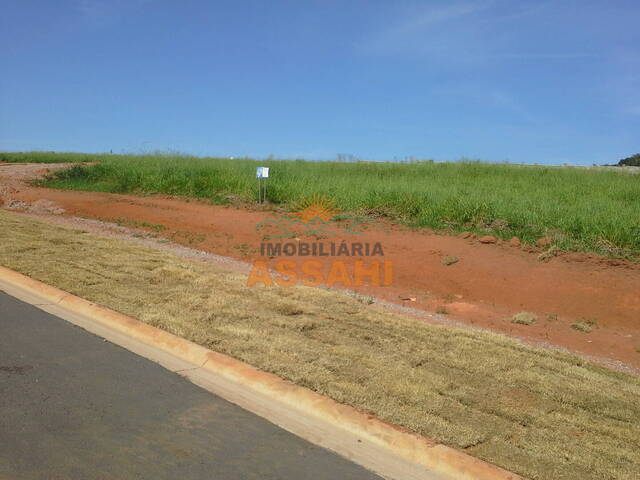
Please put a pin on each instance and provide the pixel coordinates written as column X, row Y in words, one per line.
column 585, row 326
column 580, row 209
column 540, row 413
column 125, row 222
column 449, row 260
column 553, row 251
column 50, row 157
column 524, row 318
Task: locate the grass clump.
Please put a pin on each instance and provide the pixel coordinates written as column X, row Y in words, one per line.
column 449, row 260
column 50, row 157
column 585, row 326
column 580, row 209
column 540, row 413
column 524, row 318
column 125, row 222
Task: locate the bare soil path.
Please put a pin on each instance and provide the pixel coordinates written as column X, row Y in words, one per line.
column 488, row 284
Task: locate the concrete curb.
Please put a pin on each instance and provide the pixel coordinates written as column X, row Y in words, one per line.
column 437, row 459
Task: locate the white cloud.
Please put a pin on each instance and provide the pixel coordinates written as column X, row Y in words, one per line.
column 424, row 18
column 464, row 32
column 409, row 29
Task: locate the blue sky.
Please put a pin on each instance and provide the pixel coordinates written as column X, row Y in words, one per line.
column 498, row 80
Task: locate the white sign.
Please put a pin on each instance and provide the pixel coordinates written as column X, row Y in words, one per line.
column 262, row 172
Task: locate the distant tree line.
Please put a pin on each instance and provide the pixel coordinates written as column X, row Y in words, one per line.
column 632, row 161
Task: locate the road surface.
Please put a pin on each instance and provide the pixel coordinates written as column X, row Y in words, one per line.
column 74, row 406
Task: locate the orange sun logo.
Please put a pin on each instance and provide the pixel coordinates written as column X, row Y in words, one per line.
column 316, row 206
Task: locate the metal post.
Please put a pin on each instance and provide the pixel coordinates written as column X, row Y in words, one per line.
column 262, row 173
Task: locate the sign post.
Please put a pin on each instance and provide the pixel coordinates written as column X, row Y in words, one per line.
column 262, row 173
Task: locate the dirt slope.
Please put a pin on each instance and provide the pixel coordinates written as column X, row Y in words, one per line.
column 489, row 282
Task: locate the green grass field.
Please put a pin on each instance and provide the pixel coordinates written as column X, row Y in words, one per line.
column 581, row 209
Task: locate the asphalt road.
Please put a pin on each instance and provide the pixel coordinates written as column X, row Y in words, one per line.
column 74, row 406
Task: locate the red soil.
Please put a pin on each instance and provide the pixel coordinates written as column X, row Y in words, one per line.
column 489, row 283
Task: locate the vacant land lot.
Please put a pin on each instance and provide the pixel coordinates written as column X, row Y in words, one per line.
column 581, row 209
column 540, row 413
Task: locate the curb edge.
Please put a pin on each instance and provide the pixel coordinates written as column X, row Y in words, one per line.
column 410, row 446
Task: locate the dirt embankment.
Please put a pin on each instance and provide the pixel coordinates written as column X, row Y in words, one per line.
column 488, row 283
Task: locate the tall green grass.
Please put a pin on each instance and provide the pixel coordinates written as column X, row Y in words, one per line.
column 582, row 209
column 50, row 157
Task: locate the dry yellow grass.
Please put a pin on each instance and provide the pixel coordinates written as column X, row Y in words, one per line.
column 543, row 414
